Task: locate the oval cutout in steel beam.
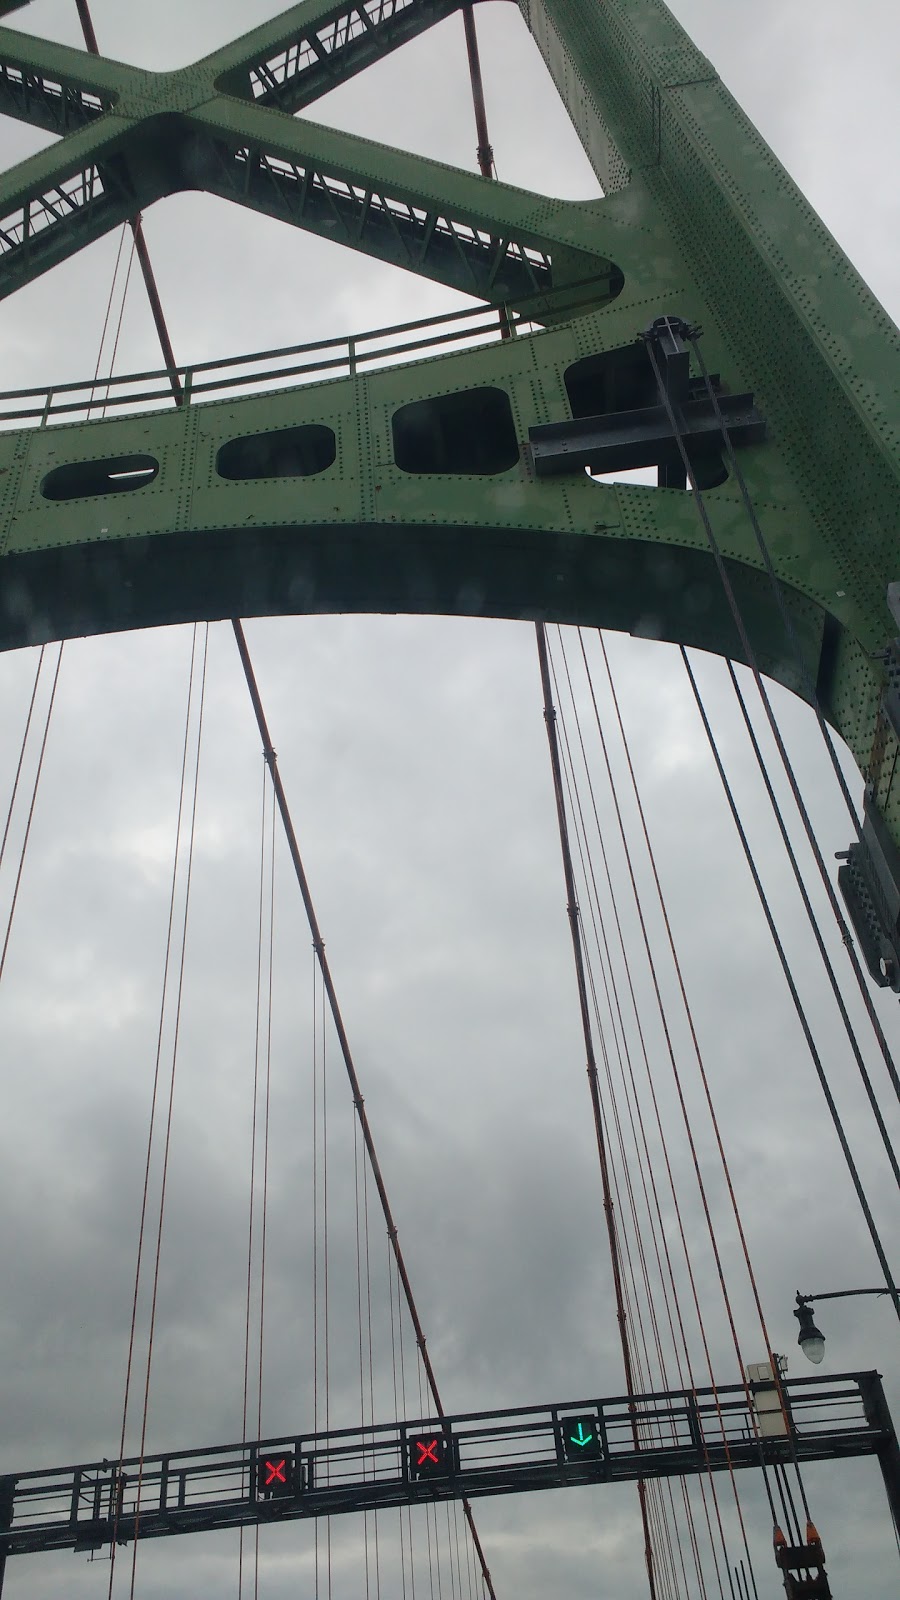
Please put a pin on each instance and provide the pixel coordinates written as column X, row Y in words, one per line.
column 468, row 432
column 285, row 453
column 81, row 480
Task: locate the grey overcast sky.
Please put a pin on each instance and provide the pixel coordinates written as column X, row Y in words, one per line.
column 415, row 756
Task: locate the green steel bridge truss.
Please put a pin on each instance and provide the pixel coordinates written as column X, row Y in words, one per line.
column 413, row 488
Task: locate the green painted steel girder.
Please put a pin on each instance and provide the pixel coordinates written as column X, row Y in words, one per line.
column 291, row 69
column 287, row 63
column 157, row 133
column 698, row 220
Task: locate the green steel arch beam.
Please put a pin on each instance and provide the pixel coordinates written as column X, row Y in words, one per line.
column 699, row 219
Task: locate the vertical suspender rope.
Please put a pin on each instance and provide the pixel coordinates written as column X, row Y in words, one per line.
column 145, row 1196
column 642, row 1364
column 646, row 1163
column 326, row 1295
column 774, row 580
column 635, row 1116
column 363, row 1409
column 826, row 961
column 315, row 1232
column 22, row 749
column 179, row 993
column 270, row 986
column 695, row 1160
column 712, row 1112
column 344, row 1044
column 574, row 926
column 750, row 657
column 248, row 1301
column 798, row 1004
column 34, row 795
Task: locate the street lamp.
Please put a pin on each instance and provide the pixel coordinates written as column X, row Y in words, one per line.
column 810, row 1338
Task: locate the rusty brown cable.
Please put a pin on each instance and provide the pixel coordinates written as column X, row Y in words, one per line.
column 798, row 1003
column 670, row 1051
column 248, row 1297
column 645, row 1163
column 346, row 1053
column 575, row 930
column 750, row 655
column 597, row 924
column 752, row 661
column 192, row 828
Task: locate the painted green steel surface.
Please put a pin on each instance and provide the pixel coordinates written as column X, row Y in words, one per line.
column 699, row 219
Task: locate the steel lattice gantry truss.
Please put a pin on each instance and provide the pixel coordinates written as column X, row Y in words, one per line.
column 411, row 1463
column 418, row 487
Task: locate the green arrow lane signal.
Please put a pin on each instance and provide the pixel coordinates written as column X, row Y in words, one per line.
column 579, row 1437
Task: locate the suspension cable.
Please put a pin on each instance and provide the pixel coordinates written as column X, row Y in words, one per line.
column 635, row 1115
column 118, row 333
column 314, row 1123
column 798, row 1003
column 30, row 818
column 182, row 790
column 708, row 1096
column 326, row 1295
column 750, row 656
column 653, row 1095
column 179, row 994
column 775, row 582
column 364, row 1410
column 784, row 1489
column 575, row 930
column 344, row 1044
column 270, row 986
column 832, row 975
column 106, row 317
column 140, row 243
column 674, row 1065
column 645, row 1163
column 22, row 749
column 643, row 1366
column 248, row 1297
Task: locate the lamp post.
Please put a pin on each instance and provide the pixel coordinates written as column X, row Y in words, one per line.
column 810, row 1338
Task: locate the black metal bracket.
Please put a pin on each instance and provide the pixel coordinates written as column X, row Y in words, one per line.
column 869, row 881
column 620, row 440
column 803, row 1569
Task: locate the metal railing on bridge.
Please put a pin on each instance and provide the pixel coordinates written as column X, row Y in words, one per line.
column 261, row 371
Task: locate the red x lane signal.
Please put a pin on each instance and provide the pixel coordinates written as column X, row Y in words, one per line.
column 275, row 1474
column 429, row 1455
